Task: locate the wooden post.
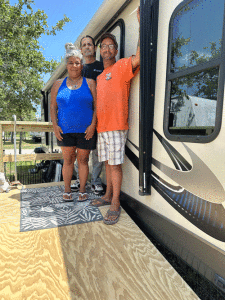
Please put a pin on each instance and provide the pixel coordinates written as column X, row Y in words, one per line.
column 14, row 116
column 1, row 151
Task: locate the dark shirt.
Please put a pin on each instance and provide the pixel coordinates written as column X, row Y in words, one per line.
column 91, row 71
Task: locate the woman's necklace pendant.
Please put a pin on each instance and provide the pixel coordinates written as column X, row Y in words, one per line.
column 74, row 86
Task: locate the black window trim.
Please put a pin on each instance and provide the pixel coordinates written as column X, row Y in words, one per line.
column 217, row 62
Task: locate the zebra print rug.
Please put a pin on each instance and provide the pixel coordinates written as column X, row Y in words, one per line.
column 44, row 208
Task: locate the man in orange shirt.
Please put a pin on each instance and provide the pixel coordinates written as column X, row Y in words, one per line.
column 113, row 87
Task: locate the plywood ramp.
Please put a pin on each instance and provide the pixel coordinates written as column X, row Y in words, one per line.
column 90, row 261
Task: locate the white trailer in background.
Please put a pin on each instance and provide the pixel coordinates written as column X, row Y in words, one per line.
column 195, row 111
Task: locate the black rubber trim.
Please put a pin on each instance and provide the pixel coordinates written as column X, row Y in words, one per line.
column 148, row 44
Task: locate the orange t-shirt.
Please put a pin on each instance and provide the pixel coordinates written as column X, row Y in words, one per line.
column 113, row 87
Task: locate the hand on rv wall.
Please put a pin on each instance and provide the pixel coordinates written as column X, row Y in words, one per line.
column 136, row 59
column 138, row 14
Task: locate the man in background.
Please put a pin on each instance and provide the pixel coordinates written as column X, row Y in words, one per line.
column 91, row 69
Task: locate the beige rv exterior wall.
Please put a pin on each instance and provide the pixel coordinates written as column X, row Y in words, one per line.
column 212, row 154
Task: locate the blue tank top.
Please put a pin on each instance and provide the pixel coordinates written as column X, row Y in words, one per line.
column 75, row 108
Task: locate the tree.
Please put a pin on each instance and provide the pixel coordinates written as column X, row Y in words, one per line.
column 203, row 84
column 21, row 60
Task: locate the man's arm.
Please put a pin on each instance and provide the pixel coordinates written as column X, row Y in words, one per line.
column 89, row 132
column 136, row 59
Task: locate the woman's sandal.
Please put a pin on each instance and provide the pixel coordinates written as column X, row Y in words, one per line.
column 82, row 197
column 111, row 213
column 67, row 197
column 99, row 202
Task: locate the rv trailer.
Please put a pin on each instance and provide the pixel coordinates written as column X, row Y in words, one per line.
column 174, row 172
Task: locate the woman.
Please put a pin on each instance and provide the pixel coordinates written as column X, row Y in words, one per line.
column 74, row 120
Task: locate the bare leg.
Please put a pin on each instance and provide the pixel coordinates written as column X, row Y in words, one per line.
column 109, row 188
column 116, row 179
column 82, row 158
column 69, row 156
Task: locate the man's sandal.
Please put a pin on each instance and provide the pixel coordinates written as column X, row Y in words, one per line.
column 82, row 197
column 111, row 213
column 100, row 202
column 67, row 197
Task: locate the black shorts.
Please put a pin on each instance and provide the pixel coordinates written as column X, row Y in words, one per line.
column 78, row 140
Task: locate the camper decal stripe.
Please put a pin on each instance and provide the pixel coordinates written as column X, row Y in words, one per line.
column 136, row 147
column 178, row 160
column 199, row 180
column 196, row 210
column 205, row 215
column 132, row 157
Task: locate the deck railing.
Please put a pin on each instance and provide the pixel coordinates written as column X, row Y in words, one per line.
column 25, row 126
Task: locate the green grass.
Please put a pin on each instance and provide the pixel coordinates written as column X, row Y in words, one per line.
column 26, row 144
column 23, row 174
column 22, row 166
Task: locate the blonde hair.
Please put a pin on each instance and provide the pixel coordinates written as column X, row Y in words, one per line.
column 71, row 50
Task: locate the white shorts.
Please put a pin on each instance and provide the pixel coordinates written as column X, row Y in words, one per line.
column 111, row 146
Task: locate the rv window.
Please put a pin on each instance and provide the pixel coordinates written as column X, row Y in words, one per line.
column 118, row 29
column 98, row 57
column 194, row 92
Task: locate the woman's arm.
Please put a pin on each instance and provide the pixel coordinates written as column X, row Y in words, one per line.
column 54, row 109
column 91, row 129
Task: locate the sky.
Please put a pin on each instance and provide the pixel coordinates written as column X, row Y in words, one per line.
column 80, row 13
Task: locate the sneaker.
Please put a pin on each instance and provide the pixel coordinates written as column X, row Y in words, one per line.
column 75, row 186
column 97, row 188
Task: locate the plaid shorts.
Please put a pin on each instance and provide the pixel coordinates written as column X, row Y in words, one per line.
column 111, row 146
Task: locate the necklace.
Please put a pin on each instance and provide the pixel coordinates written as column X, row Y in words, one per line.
column 75, row 86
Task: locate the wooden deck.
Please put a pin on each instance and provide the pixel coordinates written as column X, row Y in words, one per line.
column 90, row 261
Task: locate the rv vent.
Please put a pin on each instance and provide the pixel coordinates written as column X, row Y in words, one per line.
column 219, row 282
